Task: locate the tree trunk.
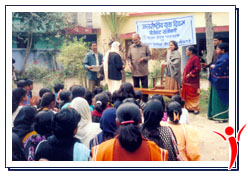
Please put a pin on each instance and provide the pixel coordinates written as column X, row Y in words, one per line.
column 29, row 45
column 209, row 36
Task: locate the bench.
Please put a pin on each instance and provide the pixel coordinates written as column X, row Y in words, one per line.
column 163, row 92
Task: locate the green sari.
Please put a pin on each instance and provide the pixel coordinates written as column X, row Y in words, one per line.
column 216, row 109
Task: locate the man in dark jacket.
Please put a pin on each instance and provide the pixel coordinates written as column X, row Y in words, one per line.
column 92, row 60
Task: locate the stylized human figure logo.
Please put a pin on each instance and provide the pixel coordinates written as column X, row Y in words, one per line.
column 233, row 142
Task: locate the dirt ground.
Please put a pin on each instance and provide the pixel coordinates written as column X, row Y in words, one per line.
column 212, row 146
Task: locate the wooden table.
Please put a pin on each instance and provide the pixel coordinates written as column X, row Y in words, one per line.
column 158, row 91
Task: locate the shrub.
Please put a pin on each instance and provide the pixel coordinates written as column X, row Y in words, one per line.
column 53, row 78
column 36, row 72
column 72, row 56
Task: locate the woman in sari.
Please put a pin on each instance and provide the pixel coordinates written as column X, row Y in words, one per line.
column 108, row 126
column 191, row 81
column 86, row 128
column 63, row 145
column 151, row 129
column 113, row 65
column 173, row 67
column 219, row 93
column 129, row 144
column 23, row 124
column 186, row 135
column 19, row 96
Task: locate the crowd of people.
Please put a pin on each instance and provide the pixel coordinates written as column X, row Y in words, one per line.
column 118, row 124
column 61, row 126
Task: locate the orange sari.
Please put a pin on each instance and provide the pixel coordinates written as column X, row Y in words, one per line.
column 111, row 150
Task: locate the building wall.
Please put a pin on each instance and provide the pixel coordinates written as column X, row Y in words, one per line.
column 219, row 19
column 41, row 57
column 81, row 19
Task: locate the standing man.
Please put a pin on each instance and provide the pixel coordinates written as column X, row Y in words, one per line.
column 93, row 58
column 217, row 40
column 138, row 56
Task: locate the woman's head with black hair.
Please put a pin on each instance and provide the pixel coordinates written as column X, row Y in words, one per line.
column 78, row 91
column 126, row 91
column 160, row 98
column 58, row 87
column 138, row 94
column 175, row 44
column 18, row 95
column 30, row 84
column 114, row 96
column 174, row 111
column 178, row 99
column 101, row 102
column 43, row 123
column 128, row 118
column 89, row 97
column 131, row 100
column 192, row 49
column 65, row 96
column 153, row 114
column 48, row 100
column 43, row 90
column 65, row 123
column 108, row 93
column 22, row 84
column 223, row 47
column 97, row 90
column 23, row 123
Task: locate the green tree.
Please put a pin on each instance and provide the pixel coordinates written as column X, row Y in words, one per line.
column 72, row 56
column 115, row 21
column 26, row 24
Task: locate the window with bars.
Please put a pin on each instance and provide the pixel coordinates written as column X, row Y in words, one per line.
column 88, row 16
column 75, row 18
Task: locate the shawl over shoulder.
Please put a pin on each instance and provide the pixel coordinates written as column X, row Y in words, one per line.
column 174, row 65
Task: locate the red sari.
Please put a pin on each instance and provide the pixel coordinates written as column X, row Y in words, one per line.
column 191, row 85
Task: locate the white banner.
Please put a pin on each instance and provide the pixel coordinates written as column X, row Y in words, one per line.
column 158, row 33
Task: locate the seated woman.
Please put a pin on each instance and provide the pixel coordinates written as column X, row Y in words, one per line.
column 48, row 102
column 126, row 91
column 89, row 98
column 101, row 102
column 108, row 126
column 138, row 97
column 186, row 136
column 43, row 127
column 161, row 99
column 65, row 97
column 41, row 93
column 184, row 118
column 19, row 96
column 151, row 129
column 17, row 149
column 23, row 124
column 129, row 144
column 86, row 128
column 63, row 146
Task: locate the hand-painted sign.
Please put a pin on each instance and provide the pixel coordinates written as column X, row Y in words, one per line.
column 158, row 33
